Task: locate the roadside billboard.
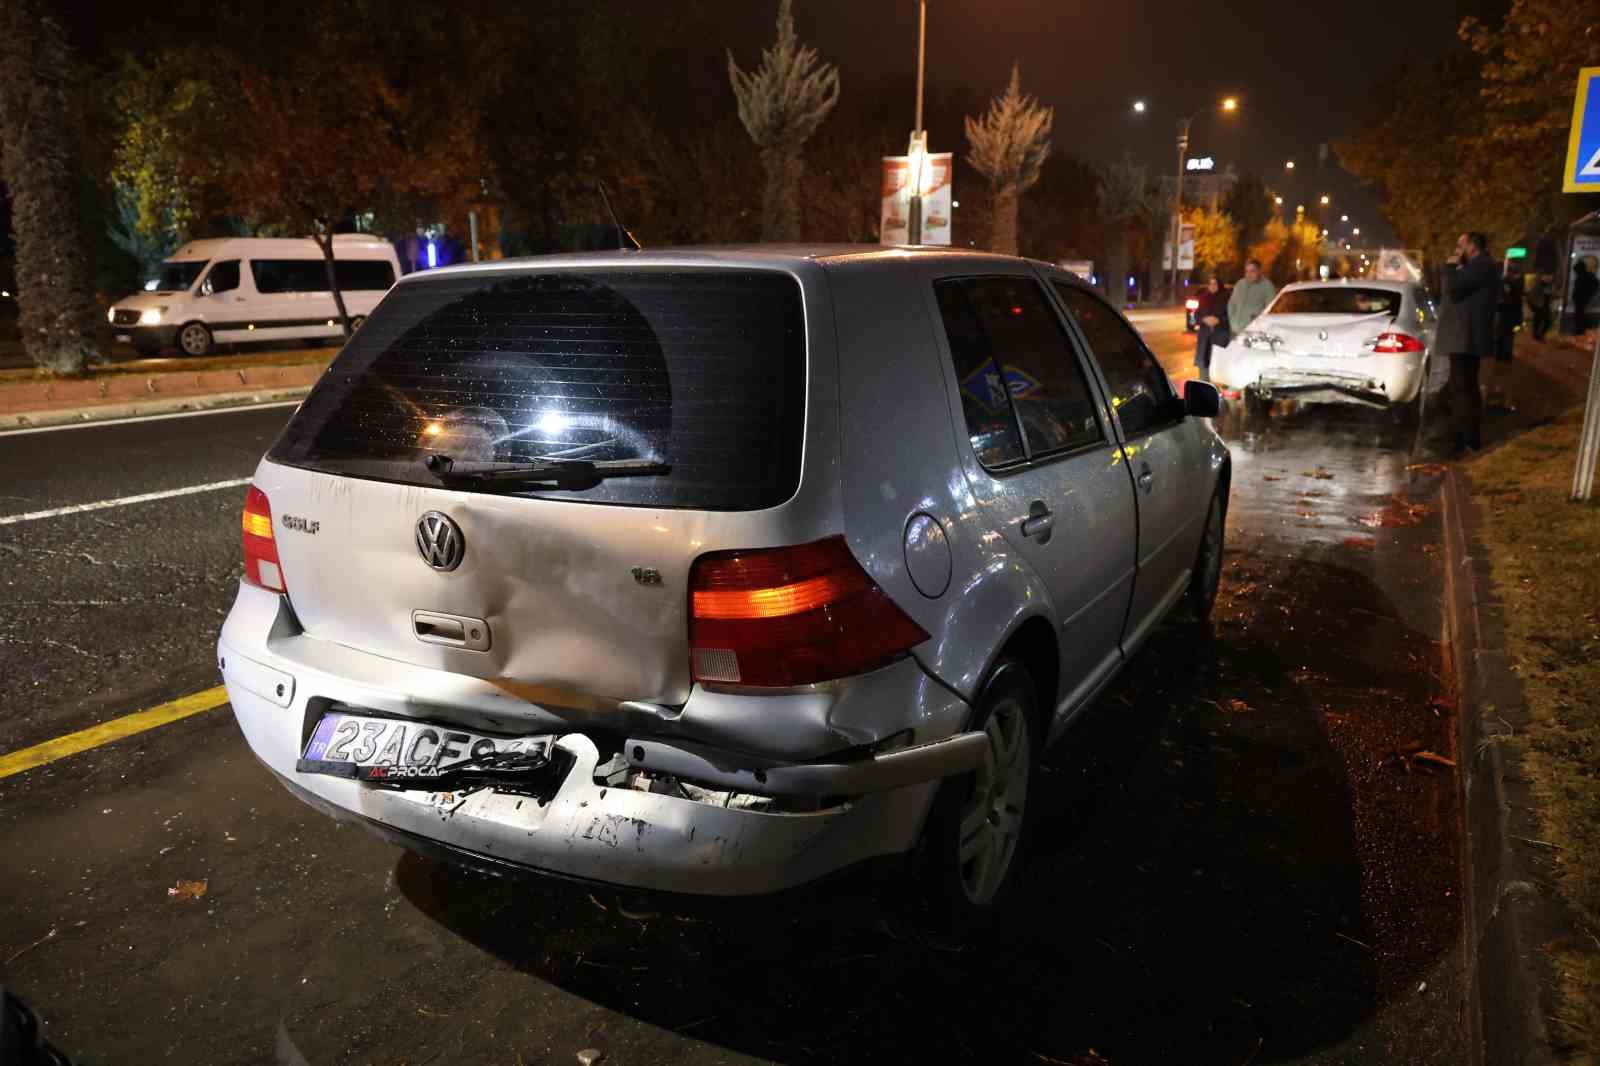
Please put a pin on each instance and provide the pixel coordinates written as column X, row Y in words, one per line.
column 1185, row 249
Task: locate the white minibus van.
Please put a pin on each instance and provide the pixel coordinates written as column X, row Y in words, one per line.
column 234, row 289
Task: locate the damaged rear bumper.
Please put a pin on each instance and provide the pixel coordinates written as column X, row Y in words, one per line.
column 652, row 812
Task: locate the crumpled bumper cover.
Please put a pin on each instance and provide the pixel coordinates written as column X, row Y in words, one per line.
column 1378, row 381
column 870, row 805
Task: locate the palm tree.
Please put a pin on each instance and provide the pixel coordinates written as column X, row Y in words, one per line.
column 781, row 103
column 1007, row 146
column 38, row 160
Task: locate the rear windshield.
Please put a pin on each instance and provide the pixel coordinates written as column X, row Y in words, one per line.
column 1337, row 300
column 704, row 371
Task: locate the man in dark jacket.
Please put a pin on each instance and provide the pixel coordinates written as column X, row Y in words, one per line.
column 1466, row 334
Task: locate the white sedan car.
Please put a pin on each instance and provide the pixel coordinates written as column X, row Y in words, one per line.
column 1356, row 341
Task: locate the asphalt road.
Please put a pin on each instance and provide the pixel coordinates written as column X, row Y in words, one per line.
column 1238, row 863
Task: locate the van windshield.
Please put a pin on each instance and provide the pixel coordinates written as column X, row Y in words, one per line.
column 701, row 372
column 177, row 275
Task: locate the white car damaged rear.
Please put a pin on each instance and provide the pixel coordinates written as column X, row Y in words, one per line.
column 1355, row 342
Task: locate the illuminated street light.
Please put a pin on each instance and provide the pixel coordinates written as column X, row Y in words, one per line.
column 1289, row 165
column 1356, row 231
column 1230, row 104
column 1278, row 200
column 1138, row 107
column 1326, row 200
column 1344, row 218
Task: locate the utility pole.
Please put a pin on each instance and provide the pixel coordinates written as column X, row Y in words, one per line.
column 918, row 153
column 1177, row 201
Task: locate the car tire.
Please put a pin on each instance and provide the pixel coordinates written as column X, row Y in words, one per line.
column 978, row 829
column 1255, row 406
column 1206, row 576
column 195, row 339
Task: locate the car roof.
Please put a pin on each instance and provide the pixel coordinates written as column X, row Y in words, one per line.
column 1365, row 283
column 297, row 247
column 751, row 255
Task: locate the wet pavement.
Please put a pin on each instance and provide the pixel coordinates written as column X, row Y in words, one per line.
column 1246, row 852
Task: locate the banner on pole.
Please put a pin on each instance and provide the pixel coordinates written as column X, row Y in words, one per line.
column 894, row 220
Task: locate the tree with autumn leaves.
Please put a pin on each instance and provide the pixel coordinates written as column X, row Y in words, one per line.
column 1477, row 139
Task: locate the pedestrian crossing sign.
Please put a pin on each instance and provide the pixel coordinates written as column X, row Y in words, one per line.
column 1583, row 147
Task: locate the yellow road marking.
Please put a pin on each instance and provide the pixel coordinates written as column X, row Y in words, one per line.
column 104, row 733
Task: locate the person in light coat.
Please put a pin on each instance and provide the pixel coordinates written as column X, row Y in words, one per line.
column 1250, row 297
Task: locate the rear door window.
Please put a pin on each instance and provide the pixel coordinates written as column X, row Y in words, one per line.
column 1017, row 367
column 702, row 370
column 1141, row 392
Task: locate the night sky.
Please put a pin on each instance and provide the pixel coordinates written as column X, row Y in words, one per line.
column 1303, row 71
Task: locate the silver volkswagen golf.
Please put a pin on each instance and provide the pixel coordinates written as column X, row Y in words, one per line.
column 716, row 572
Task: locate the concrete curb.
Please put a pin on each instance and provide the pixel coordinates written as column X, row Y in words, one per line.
column 163, row 406
column 1509, row 911
column 33, row 402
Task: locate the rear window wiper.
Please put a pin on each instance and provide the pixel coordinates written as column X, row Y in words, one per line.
column 561, row 472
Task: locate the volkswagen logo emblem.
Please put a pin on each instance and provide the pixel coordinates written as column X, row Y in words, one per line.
column 1322, row 334
column 440, row 541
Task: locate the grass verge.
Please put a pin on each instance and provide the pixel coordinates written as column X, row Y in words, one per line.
column 1544, row 553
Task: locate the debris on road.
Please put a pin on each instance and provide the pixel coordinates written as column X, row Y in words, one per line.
column 1363, row 543
column 1319, row 473
column 29, row 947
column 589, row 1056
column 187, row 889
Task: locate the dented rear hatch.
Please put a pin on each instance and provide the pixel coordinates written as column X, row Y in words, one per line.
column 690, row 383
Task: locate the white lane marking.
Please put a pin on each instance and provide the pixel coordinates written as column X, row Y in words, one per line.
column 122, row 501
column 150, row 418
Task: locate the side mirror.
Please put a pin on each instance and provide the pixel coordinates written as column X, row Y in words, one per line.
column 206, row 288
column 1201, row 399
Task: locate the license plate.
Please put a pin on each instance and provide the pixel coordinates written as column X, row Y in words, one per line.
column 407, row 753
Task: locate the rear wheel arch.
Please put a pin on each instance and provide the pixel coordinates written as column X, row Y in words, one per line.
column 1032, row 646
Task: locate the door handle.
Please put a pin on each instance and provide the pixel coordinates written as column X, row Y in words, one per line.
column 1039, row 522
column 1147, row 479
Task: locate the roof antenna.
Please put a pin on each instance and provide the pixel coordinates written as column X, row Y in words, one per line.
column 625, row 240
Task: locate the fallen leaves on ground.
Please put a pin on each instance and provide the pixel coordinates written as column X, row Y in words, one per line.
column 1363, row 543
column 1271, row 477
column 187, row 890
column 1319, row 473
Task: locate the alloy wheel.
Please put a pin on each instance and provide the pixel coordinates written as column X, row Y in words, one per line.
column 991, row 819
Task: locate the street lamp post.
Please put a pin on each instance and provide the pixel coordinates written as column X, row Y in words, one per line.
column 918, row 152
column 1229, row 104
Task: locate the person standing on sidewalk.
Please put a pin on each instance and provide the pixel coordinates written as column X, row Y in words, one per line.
column 1250, row 297
column 1466, row 332
column 1584, row 287
column 1211, row 313
column 1539, row 304
column 1507, row 320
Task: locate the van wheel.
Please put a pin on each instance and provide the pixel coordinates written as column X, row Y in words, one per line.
column 195, row 339
column 1256, row 405
column 1206, row 576
column 978, row 827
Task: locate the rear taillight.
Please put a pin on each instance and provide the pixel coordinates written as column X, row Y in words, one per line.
column 260, row 550
column 1396, row 344
column 1192, row 305
column 791, row 616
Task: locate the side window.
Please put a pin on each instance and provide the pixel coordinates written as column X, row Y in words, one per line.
column 363, row 274
column 1016, row 366
column 224, row 277
column 289, row 275
column 1140, row 390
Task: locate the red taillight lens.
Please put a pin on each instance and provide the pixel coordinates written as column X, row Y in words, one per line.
column 260, row 550
column 791, row 616
column 1396, row 344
